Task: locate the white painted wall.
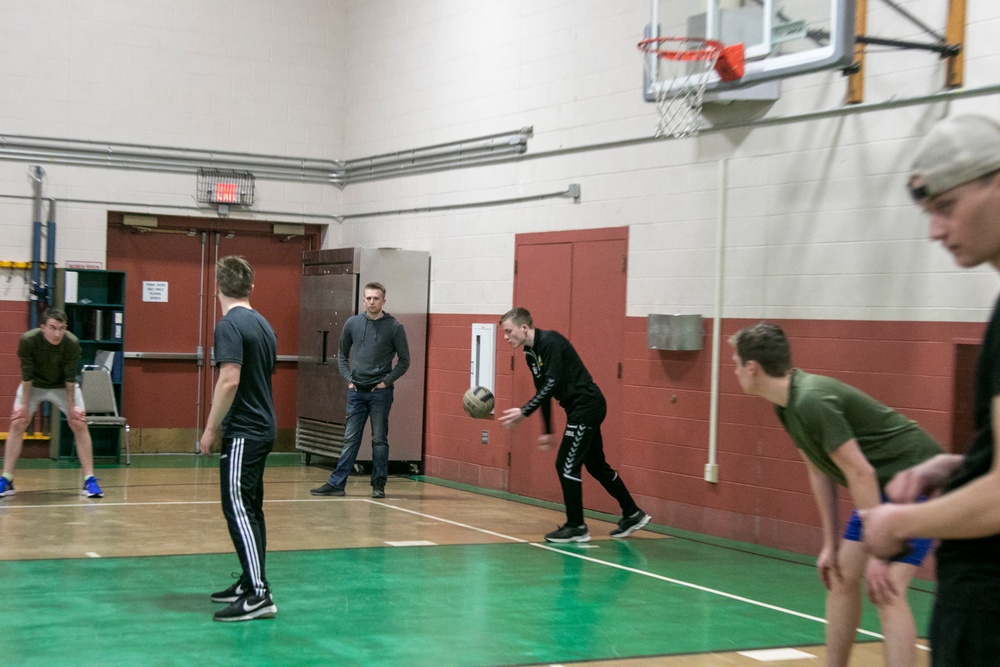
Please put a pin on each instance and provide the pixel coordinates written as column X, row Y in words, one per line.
column 819, row 225
column 250, row 76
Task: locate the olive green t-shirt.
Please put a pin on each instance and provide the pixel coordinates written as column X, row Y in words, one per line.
column 822, row 414
column 45, row 365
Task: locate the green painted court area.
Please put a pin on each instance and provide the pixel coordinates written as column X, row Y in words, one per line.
column 469, row 605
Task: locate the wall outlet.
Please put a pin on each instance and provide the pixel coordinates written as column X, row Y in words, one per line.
column 486, row 437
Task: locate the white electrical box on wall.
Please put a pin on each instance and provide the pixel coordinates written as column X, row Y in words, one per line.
column 484, row 356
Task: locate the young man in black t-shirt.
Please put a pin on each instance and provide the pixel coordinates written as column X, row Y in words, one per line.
column 243, row 412
column 956, row 181
column 559, row 373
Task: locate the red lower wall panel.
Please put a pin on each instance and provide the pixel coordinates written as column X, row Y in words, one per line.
column 453, row 447
column 762, row 496
column 14, row 322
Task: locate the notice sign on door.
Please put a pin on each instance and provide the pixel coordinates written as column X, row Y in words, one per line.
column 155, row 290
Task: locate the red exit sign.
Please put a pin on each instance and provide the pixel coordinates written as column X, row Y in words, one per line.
column 227, row 193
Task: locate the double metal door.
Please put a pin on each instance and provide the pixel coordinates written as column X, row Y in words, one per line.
column 171, row 312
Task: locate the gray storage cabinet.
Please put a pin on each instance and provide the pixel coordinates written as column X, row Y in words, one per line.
column 333, row 283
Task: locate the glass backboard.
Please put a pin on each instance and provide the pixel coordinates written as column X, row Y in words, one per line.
column 781, row 38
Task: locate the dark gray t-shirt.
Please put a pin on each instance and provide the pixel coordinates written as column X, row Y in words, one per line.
column 244, row 337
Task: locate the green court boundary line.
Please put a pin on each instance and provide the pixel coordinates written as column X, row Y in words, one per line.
column 721, row 542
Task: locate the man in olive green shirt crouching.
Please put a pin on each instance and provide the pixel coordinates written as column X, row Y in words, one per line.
column 50, row 363
column 846, row 438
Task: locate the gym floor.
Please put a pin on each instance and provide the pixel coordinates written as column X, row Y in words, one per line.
column 434, row 574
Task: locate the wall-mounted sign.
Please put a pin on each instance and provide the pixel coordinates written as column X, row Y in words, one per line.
column 155, row 290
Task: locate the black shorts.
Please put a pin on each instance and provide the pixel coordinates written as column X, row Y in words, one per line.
column 964, row 638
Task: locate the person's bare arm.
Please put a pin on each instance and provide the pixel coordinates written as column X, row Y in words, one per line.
column 222, row 400
column 825, row 494
column 965, row 513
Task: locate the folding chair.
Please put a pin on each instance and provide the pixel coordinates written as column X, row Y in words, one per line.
column 99, row 400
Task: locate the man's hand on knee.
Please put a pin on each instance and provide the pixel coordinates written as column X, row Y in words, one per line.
column 77, row 418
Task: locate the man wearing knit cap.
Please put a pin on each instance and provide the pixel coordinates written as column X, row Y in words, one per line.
column 956, row 181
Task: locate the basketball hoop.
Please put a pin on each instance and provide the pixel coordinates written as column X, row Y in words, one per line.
column 678, row 69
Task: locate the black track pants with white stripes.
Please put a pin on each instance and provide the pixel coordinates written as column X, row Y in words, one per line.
column 241, row 478
column 583, row 446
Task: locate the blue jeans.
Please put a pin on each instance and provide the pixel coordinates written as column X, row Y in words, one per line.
column 360, row 405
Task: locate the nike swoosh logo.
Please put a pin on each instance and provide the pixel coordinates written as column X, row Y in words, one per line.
column 251, row 607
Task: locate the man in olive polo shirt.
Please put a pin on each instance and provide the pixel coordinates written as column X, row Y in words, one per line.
column 50, row 363
column 846, row 438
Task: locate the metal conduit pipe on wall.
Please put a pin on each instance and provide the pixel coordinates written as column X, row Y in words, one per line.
column 269, row 167
column 478, row 147
column 74, row 159
column 431, row 158
column 428, row 166
column 121, row 155
column 50, row 256
column 456, row 155
column 145, row 206
column 491, row 149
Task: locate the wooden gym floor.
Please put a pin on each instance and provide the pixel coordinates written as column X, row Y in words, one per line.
column 434, row 574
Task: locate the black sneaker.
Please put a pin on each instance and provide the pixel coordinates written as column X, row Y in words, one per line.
column 233, row 593
column 328, row 490
column 247, row 608
column 568, row 533
column 378, row 491
column 630, row 524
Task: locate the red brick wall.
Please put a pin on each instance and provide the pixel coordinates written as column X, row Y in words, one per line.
column 453, row 447
column 13, row 323
column 763, row 494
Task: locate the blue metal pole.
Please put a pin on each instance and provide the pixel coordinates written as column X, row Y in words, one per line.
column 50, row 256
column 35, row 290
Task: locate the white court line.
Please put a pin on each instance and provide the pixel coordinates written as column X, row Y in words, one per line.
column 776, row 654
column 625, row 568
column 633, row 570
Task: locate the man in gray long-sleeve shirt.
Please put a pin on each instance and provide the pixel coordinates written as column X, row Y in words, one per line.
column 368, row 344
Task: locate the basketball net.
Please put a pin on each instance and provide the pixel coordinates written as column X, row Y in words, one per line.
column 679, row 69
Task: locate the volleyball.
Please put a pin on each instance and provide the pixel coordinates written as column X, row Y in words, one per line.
column 478, row 402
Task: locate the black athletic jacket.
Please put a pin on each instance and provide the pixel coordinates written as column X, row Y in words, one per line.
column 559, row 373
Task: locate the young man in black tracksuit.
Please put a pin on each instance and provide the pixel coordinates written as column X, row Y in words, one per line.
column 559, row 373
column 243, row 415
